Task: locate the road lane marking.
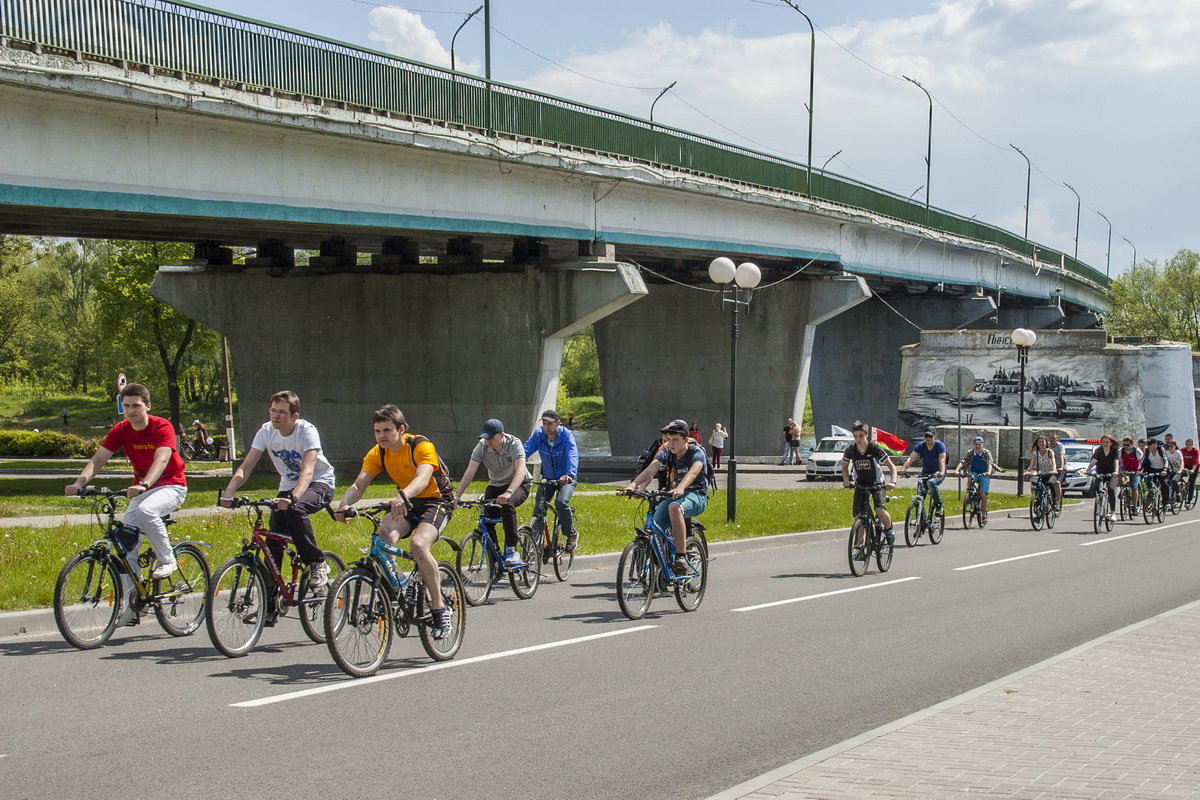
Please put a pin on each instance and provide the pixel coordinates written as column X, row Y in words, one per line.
column 1136, row 533
column 824, row 594
column 462, row 662
column 1006, row 560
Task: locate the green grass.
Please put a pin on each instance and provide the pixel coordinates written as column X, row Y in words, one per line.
column 30, row 558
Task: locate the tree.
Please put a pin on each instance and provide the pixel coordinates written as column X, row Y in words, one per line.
column 1158, row 302
column 16, row 254
column 581, row 365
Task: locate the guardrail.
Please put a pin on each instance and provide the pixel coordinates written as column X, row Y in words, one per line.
column 203, row 44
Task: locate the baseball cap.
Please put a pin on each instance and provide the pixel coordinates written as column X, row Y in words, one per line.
column 550, row 413
column 930, row 432
column 977, row 439
column 491, row 428
column 675, row 426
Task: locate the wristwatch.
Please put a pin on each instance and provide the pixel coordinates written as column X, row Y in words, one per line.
column 142, row 484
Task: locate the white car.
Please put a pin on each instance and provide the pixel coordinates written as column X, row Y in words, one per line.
column 1079, row 455
column 825, row 460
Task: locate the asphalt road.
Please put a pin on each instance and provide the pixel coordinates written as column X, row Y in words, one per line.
column 593, row 706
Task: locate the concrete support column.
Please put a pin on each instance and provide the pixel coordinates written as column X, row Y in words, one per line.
column 450, row 350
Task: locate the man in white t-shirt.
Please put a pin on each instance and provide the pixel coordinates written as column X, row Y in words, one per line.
column 306, row 480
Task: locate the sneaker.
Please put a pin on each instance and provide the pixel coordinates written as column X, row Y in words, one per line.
column 512, row 558
column 860, row 554
column 128, row 617
column 318, row 576
column 164, row 569
column 572, row 540
column 889, row 536
column 681, row 566
column 442, row 626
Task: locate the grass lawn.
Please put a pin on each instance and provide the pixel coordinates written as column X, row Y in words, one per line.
column 30, row 558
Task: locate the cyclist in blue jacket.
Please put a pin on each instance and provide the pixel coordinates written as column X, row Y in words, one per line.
column 560, row 462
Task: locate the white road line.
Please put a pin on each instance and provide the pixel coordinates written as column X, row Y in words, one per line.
column 824, row 594
column 462, row 662
column 1006, row 560
column 1137, row 533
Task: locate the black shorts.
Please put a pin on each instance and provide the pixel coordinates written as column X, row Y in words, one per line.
column 433, row 510
column 878, row 497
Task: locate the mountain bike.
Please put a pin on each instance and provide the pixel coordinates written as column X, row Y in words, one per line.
column 373, row 600
column 1152, row 498
column 548, row 531
column 1127, row 509
column 867, row 538
column 973, row 503
column 1102, row 515
column 922, row 518
column 1043, row 508
column 97, row 585
column 248, row 592
column 481, row 563
column 645, row 566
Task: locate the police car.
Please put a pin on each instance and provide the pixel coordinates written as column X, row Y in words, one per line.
column 1079, row 455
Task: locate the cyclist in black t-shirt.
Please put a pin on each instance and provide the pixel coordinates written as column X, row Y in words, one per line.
column 868, row 461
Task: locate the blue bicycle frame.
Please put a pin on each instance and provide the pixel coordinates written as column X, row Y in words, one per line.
column 662, row 543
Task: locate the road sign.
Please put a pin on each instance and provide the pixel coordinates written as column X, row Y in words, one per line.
column 959, row 381
column 120, row 381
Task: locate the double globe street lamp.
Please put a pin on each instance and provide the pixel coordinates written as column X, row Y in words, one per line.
column 737, row 283
column 1024, row 339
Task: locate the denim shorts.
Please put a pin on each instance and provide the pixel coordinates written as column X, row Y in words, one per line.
column 692, row 504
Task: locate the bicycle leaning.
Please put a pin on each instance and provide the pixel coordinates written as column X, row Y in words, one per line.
column 372, row 600
column 867, row 538
column 549, row 533
column 923, row 517
column 644, row 568
column 97, row 589
column 481, row 563
column 248, row 592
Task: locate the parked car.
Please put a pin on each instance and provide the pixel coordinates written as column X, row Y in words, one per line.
column 1079, row 455
column 825, row 460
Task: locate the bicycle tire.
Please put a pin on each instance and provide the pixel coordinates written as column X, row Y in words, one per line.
column 235, row 612
column 1050, row 513
column 690, row 592
column 883, row 553
column 912, row 523
column 187, row 452
column 525, row 580
column 858, row 568
column 1189, row 501
column 968, row 513
column 937, row 526
column 476, row 568
column 1099, row 509
column 452, row 598
column 310, row 606
column 181, row 597
column 1148, row 497
column 87, row 600
column 358, row 622
column 636, row 579
column 1158, row 507
column 1035, row 513
column 563, row 558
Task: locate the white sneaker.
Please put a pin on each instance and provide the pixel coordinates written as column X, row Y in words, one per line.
column 164, row 569
column 318, row 576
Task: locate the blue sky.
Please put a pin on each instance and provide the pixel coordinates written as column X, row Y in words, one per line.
column 1100, row 94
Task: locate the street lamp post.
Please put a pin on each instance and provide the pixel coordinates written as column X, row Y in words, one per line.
column 1078, row 203
column 812, row 65
column 455, row 36
column 1028, row 177
column 1024, row 339
column 1134, row 246
column 1108, row 249
column 831, row 158
column 929, row 141
column 740, row 281
column 660, row 94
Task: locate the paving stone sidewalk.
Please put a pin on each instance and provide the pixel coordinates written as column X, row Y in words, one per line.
column 1118, row 717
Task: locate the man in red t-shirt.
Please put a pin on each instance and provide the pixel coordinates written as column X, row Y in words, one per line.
column 1191, row 460
column 159, row 485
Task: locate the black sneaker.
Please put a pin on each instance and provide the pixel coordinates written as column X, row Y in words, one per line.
column 889, row 536
column 572, row 540
column 442, row 625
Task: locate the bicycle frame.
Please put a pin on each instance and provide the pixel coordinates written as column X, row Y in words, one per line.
column 662, row 543
column 257, row 548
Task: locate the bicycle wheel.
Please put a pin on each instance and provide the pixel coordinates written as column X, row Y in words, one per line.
column 937, row 526
column 1189, row 497
column 310, row 605
column 1123, row 510
column 237, row 606
column 187, row 452
column 636, row 577
column 1148, row 498
column 1158, row 506
column 452, row 598
column 1099, row 509
column 477, row 569
column 1035, row 513
column 1050, row 513
column 358, row 622
column 525, row 581
column 858, row 567
column 912, row 522
column 563, row 558
column 968, row 512
column 87, row 597
column 181, row 596
column 689, row 593
column 883, row 553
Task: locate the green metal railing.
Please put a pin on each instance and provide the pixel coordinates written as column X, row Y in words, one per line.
column 204, row 44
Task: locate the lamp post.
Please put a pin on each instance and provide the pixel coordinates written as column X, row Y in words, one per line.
column 831, row 158
column 740, row 281
column 1108, row 249
column 1024, row 339
column 812, row 65
column 1134, row 246
column 660, row 94
column 929, row 142
column 1028, row 176
column 455, row 36
column 1078, row 203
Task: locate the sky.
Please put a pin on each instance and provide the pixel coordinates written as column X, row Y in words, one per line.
column 1099, row 94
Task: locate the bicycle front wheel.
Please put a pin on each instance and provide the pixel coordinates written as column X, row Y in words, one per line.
column 1099, row 509
column 912, row 523
column 87, row 597
column 452, row 598
column 525, row 580
column 358, row 622
column 635, row 579
column 883, row 554
column 310, row 606
column 237, row 607
column 477, row 569
column 968, row 513
column 689, row 592
column 858, row 566
column 1036, row 519
column 1148, row 498
column 182, row 595
column 937, row 526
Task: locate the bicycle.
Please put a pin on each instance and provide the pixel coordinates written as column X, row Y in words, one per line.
column 873, row 539
column 89, row 598
column 1101, row 514
column 973, row 504
column 549, row 533
column 1043, row 506
column 194, row 450
column 922, row 517
column 1189, row 494
column 372, row 600
column 1126, row 508
column 1172, row 494
column 248, row 592
column 644, row 568
column 480, row 562
column 1152, row 499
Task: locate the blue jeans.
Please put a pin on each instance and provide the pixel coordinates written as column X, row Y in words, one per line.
column 562, row 496
column 934, row 483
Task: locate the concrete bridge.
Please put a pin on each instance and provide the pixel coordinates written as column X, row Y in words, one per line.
column 460, row 230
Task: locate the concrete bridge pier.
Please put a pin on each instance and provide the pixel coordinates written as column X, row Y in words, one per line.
column 450, row 350
column 668, row 357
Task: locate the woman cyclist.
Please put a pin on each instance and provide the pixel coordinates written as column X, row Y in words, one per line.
column 1044, row 464
column 1105, row 459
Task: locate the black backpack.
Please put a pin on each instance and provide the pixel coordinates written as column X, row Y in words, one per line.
column 710, row 476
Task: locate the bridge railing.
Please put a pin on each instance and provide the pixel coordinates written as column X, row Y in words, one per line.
column 200, row 43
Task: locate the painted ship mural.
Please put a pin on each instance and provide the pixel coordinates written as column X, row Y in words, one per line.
column 1058, row 407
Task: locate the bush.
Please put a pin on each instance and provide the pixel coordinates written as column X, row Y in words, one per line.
column 47, row 444
column 588, row 411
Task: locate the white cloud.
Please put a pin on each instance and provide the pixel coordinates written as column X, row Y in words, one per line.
column 404, row 33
